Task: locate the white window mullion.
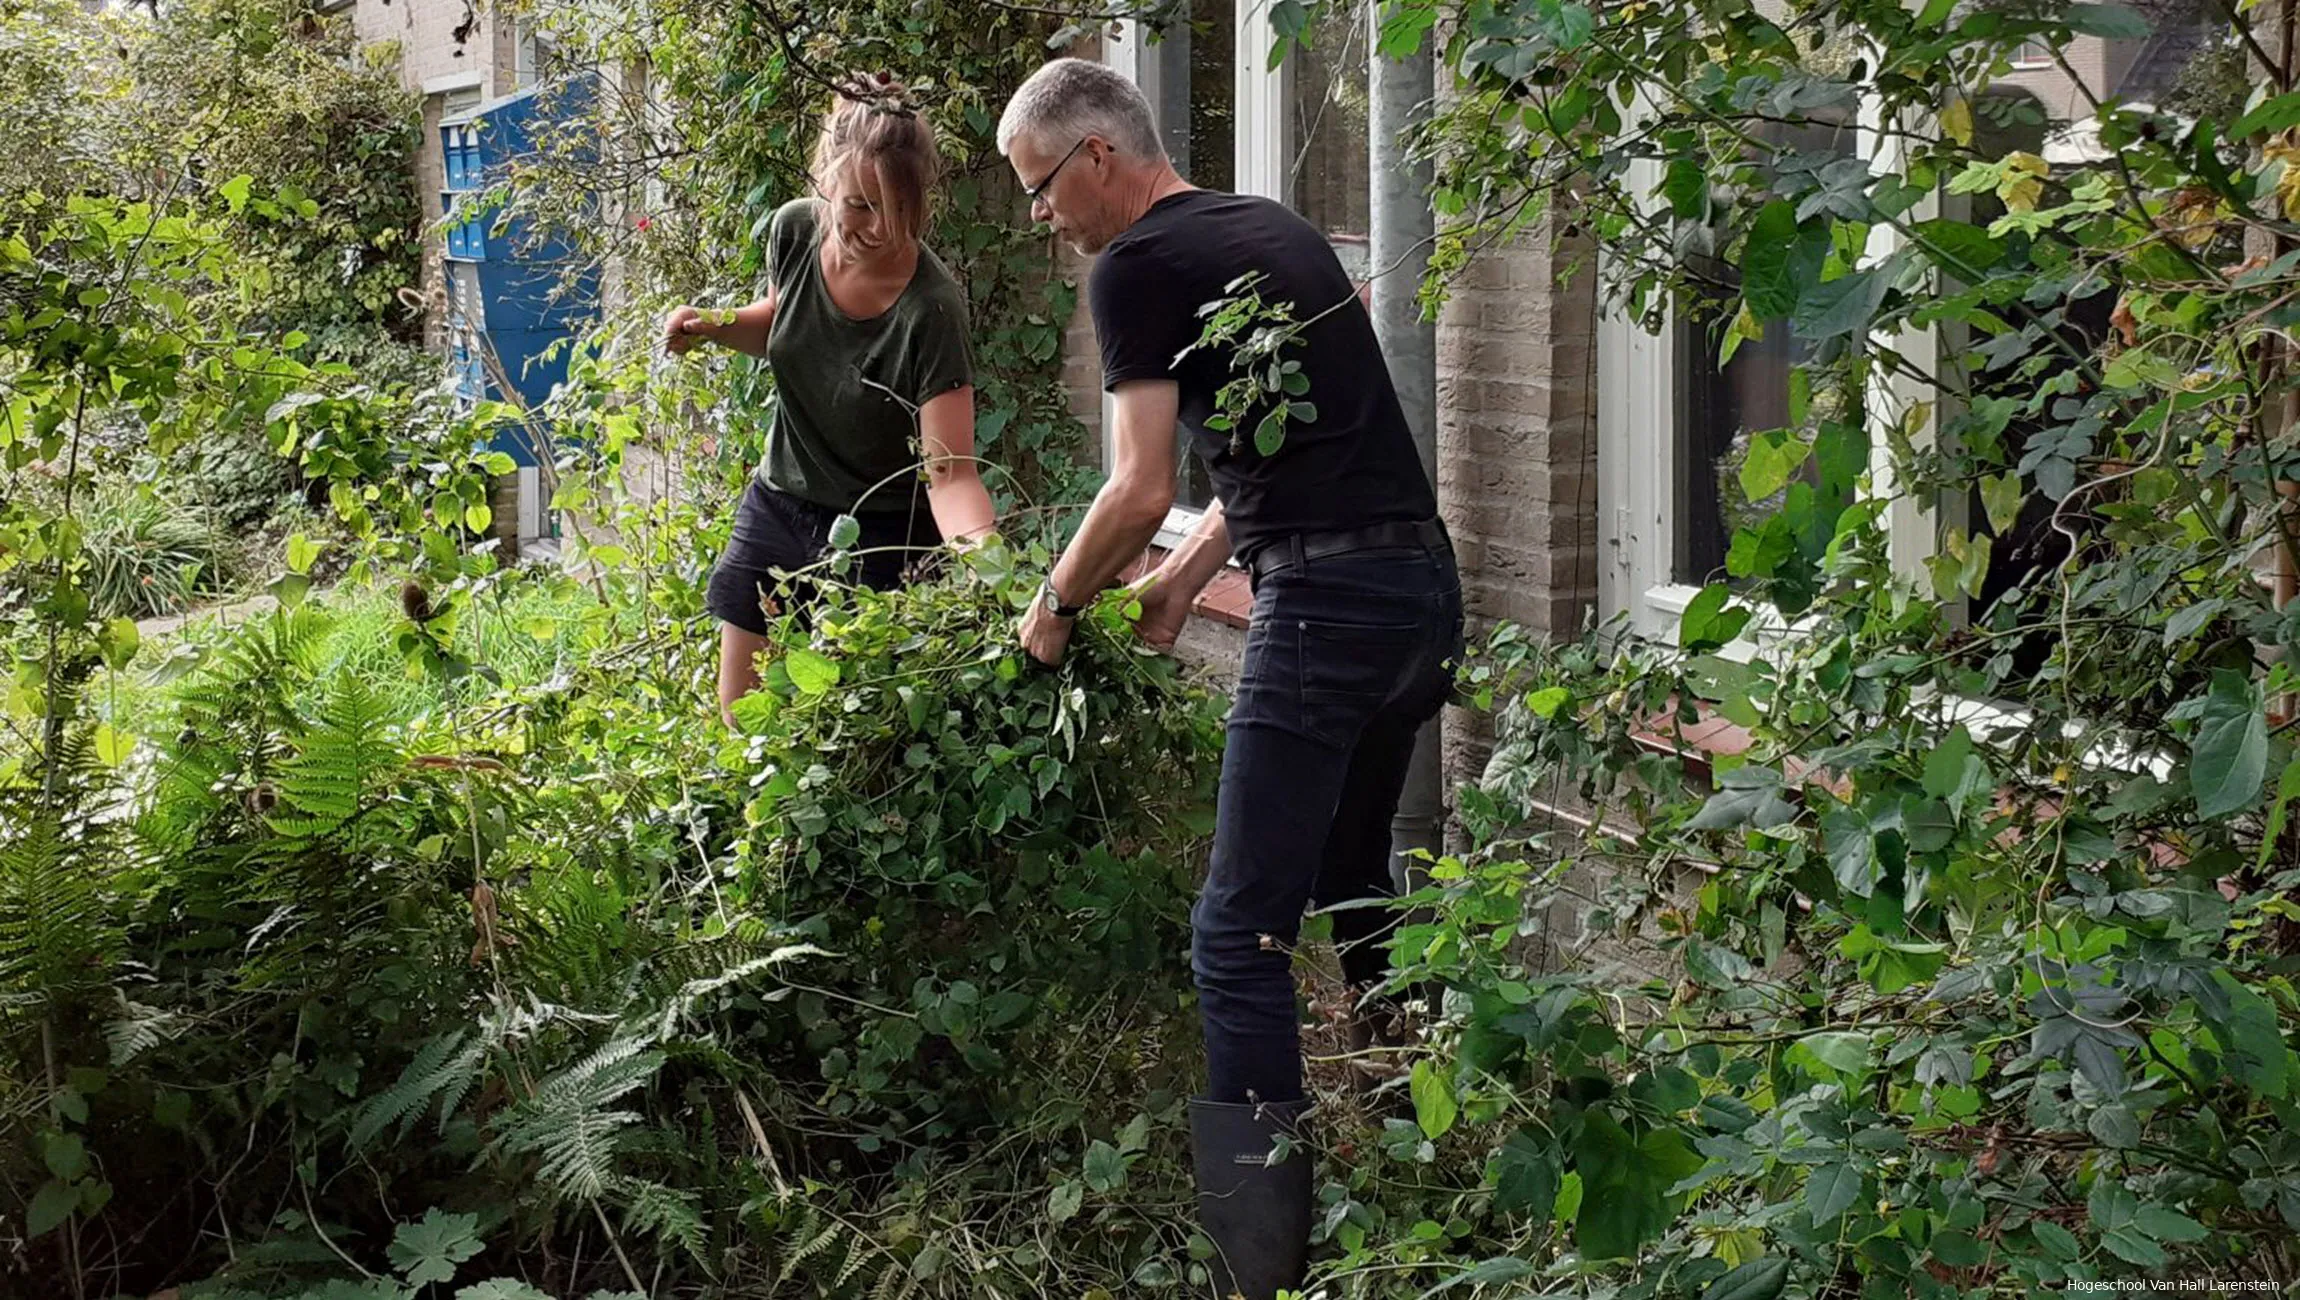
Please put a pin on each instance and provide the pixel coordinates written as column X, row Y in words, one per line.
column 1259, row 148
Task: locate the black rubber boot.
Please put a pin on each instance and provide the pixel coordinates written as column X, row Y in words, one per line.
column 1256, row 1213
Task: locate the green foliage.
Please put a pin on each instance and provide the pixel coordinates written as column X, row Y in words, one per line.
column 1978, row 956
column 541, row 960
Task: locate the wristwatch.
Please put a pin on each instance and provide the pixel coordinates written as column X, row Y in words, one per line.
column 1048, row 597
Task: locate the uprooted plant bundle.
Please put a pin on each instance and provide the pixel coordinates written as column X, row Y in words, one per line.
column 558, row 983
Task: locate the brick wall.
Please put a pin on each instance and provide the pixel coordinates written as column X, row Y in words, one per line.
column 425, row 30
column 1517, row 450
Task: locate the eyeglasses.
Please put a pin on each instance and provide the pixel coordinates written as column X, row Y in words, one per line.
column 1037, row 193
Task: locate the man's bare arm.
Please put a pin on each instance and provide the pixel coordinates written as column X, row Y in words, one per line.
column 1133, row 503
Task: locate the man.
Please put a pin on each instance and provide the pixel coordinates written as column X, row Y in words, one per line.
column 1357, row 604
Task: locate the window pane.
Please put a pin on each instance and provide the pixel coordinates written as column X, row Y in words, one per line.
column 1724, row 406
column 1212, row 50
column 1327, row 126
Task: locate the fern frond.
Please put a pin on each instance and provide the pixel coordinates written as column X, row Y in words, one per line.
column 666, row 1213
column 438, row 1067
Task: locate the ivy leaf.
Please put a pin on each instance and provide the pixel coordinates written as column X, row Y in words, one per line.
column 1434, row 1106
column 1068, row 1196
column 428, row 1251
column 2229, row 760
column 811, row 672
column 1831, row 1191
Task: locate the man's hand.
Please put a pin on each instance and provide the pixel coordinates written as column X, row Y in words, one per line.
column 1164, row 609
column 681, row 329
column 1045, row 637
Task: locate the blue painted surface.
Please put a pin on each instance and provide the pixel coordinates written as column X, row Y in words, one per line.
column 516, row 276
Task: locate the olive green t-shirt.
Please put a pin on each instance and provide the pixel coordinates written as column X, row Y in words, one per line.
column 839, row 430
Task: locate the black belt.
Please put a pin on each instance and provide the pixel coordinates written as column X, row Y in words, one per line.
column 1301, row 548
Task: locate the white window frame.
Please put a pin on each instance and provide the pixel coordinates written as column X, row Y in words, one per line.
column 1257, row 152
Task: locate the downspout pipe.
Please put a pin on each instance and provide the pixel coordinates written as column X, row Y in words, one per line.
column 1399, row 90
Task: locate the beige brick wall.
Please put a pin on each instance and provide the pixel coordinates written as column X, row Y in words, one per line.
column 425, row 30
column 1517, row 450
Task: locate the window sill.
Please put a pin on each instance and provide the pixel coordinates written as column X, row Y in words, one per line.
column 1227, row 600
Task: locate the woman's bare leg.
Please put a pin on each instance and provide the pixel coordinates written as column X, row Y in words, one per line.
column 738, row 667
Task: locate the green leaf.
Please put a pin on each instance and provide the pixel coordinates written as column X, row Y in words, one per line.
column 2287, row 789
column 1434, row 1106
column 51, row 1205
column 1846, row 1053
column 428, row 1251
column 2274, row 114
column 1831, row 1191
column 1772, row 457
column 2252, row 1039
column 2115, row 1126
column 1840, row 306
column 500, row 1288
column 112, row 746
column 846, row 530
column 1707, row 624
column 811, row 673
column 1501, row 1268
column 1545, row 702
column 2229, row 759
column 1525, row 1174
column 1945, row 766
column 477, row 518
column 118, row 641
column 1068, row 1196
column 2058, row 1241
column 1759, row 1279
column 2168, row 1225
column 2108, row 21
column 2001, row 497
column 235, row 192
column 1270, row 434
column 1768, row 283
column 1935, row 13
column 301, row 551
column 1105, row 1167
column 65, row 1154
column 1686, row 186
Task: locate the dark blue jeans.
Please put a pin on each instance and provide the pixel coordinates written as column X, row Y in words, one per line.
column 1346, row 657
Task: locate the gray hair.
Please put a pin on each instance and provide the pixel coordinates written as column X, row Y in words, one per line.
column 1070, row 99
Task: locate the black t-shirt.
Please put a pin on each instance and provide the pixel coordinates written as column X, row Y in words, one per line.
column 1355, row 463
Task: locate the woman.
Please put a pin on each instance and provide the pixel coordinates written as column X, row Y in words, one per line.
column 867, row 334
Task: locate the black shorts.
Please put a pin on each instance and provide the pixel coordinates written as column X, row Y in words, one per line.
column 775, row 530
